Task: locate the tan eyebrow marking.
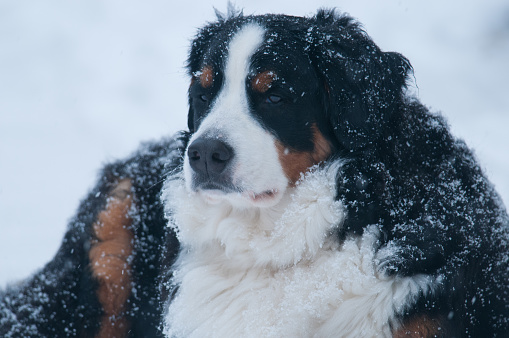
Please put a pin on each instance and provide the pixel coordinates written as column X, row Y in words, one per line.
column 206, row 77
column 263, row 81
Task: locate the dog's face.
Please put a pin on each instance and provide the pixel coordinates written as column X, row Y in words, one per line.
column 265, row 104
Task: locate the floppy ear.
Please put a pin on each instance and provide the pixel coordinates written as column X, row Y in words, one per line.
column 190, row 113
column 194, row 63
column 199, row 47
column 190, row 118
column 363, row 84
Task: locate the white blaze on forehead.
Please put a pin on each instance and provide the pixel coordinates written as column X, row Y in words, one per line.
column 232, row 103
column 243, row 45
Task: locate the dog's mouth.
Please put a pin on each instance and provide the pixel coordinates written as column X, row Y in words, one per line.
column 216, row 187
column 261, row 197
column 214, row 193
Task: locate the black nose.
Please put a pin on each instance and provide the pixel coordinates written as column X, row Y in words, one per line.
column 208, row 156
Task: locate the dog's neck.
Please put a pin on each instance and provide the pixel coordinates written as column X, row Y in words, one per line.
column 278, row 271
column 273, row 237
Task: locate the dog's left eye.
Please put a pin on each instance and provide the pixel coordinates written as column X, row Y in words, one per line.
column 204, row 98
column 273, row 99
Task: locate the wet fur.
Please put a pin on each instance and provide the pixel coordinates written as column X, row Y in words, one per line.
column 94, row 286
column 412, row 194
column 437, row 214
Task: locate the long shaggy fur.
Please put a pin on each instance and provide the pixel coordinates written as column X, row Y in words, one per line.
column 311, row 196
column 421, row 222
column 63, row 300
column 279, row 272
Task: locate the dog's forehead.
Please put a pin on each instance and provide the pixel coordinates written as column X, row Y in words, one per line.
column 268, row 52
column 227, row 39
column 241, row 48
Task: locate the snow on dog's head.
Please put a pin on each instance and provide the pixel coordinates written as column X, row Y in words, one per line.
column 254, row 120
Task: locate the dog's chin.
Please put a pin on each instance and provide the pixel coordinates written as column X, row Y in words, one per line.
column 242, row 198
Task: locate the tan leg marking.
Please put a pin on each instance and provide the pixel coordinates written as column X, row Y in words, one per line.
column 109, row 259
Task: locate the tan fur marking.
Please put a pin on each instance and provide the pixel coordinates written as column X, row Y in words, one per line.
column 296, row 162
column 419, row 327
column 263, row 81
column 322, row 148
column 207, row 77
column 109, row 259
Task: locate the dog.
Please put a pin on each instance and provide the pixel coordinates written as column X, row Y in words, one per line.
column 104, row 279
column 311, row 196
column 318, row 198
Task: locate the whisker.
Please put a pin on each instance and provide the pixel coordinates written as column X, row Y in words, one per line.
column 166, row 175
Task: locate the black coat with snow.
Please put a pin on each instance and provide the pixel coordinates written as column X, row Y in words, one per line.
column 103, row 281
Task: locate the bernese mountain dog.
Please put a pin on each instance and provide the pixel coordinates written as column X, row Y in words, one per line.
column 311, row 196
column 318, row 199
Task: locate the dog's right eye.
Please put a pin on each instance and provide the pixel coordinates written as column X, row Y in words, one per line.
column 273, row 99
column 204, row 98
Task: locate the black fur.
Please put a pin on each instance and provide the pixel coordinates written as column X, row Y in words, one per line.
column 405, row 173
column 60, row 300
column 437, row 212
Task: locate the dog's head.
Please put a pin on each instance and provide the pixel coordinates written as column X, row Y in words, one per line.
column 273, row 95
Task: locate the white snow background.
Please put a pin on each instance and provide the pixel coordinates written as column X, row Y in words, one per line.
column 83, row 82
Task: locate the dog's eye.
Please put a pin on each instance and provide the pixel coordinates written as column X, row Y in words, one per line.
column 273, row 99
column 204, row 98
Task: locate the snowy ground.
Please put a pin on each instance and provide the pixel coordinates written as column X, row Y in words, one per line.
column 83, row 82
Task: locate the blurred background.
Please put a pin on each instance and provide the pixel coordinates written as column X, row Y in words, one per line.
column 83, row 82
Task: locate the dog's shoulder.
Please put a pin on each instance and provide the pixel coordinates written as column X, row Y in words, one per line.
column 104, row 277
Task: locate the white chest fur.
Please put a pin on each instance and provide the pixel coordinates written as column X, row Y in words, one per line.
column 278, row 272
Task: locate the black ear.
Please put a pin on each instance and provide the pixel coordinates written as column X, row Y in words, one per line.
column 190, row 118
column 363, row 84
column 199, row 48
